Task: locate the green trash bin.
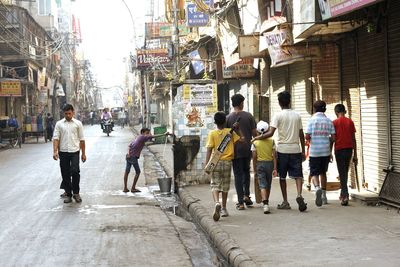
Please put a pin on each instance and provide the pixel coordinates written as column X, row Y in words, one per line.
column 160, row 130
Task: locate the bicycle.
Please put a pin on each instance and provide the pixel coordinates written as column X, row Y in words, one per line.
column 11, row 137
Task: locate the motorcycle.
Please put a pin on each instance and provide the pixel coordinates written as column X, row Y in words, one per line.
column 107, row 126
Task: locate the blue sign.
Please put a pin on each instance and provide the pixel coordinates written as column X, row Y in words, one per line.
column 196, row 18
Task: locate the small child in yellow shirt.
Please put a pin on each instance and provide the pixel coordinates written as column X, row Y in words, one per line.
column 221, row 175
column 264, row 163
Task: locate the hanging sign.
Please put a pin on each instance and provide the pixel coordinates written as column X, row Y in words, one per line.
column 335, row 8
column 10, row 88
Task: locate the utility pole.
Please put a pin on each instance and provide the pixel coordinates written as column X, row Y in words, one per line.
column 175, row 58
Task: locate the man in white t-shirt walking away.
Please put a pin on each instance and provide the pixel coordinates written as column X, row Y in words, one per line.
column 290, row 148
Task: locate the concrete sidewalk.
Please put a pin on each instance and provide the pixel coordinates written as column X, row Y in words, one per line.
column 332, row 235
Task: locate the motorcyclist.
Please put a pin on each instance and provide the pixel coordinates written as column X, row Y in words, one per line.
column 106, row 115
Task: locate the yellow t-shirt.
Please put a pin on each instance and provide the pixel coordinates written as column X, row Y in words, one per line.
column 215, row 137
column 264, row 149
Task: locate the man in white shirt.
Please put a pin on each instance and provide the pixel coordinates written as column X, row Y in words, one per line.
column 68, row 141
column 290, row 148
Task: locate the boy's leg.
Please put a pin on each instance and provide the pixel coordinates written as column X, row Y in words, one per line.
column 126, row 190
column 282, row 183
column 137, row 173
column 215, row 194
column 224, row 199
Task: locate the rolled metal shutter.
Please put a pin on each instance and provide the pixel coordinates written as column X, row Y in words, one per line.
column 277, row 85
column 374, row 117
column 326, row 78
column 300, row 87
column 351, row 97
column 394, row 77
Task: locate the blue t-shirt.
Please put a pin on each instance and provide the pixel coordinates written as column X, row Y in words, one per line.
column 320, row 128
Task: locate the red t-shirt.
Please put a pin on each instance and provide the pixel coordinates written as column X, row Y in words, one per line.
column 344, row 133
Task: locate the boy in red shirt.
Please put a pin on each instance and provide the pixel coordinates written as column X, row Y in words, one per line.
column 345, row 148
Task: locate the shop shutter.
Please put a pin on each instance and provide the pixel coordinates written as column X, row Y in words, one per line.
column 374, row 117
column 394, row 77
column 300, row 87
column 351, row 97
column 277, row 85
column 326, row 78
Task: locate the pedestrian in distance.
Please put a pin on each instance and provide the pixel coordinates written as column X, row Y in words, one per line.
column 242, row 155
column 264, row 164
column 345, row 148
column 290, row 148
column 49, row 126
column 133, row 155
column 221, row 175
column 68, row 141
column 321, row 134
column 92, row 116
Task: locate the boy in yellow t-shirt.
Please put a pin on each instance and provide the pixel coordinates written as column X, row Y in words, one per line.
column 264, row 163
column 221, row 175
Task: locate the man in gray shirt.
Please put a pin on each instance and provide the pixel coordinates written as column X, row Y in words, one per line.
column 241, row 162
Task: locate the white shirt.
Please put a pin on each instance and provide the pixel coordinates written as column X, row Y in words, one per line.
column 288, row 123
column 69, row 133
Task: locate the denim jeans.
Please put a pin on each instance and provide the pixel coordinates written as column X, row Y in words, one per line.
column 241, row 171
column 343, row 157
column 69, row 164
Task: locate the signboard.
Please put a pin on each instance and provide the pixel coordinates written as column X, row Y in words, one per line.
column 146, row 58
column 10, row 88
column 303, row 19
column 242, row 69
column 334, row 8
column 196, row 18
column 164, row 29
column 249, row 47
column 282, row 52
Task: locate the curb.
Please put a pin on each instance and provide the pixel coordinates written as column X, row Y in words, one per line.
column 221, row 239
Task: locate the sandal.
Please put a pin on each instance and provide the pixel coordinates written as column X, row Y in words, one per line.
column 135, row 191
column 239, row 206
column 284, row 206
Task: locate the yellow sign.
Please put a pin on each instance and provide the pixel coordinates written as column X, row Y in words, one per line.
column 10, row 88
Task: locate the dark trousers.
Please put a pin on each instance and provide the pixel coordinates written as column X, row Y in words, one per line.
column 343, row 157
column 241, row 171
column 69, row 164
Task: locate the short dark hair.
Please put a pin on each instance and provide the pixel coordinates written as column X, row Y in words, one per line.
column 143, row 130
column 284, row 98
column 340, row 108
column 319, row 106
column 68, row 107
column 237, row 99
column 219, row 118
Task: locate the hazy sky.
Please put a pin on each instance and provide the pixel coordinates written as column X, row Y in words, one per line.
column 108, row 35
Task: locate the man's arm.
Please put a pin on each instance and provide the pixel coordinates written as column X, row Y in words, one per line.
column 82, row 145
column 355, row 159
column 303, row 144
column 265, row 135
column 333, row 140
column 56, row 144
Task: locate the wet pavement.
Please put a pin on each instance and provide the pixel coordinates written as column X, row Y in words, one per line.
column 109, row 228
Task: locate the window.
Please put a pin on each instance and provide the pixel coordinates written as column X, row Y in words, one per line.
column 44, row 7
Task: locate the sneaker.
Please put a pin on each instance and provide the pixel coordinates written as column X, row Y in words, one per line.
column 284, row 206
column 224, row 213
column 68, row 199
column 308, row 187
column 318, row 197
column 344, row 201
column 239, row 206
column 217, row 211
column 247, row 201
column 324, row 198
column 64, row 195
column 266, row 209
column 77, row 198
column 301, row 203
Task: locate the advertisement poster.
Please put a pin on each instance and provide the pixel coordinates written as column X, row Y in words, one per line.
column 195, row 104
column 335, row 8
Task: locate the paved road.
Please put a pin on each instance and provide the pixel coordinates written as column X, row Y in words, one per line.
column 109, row 228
